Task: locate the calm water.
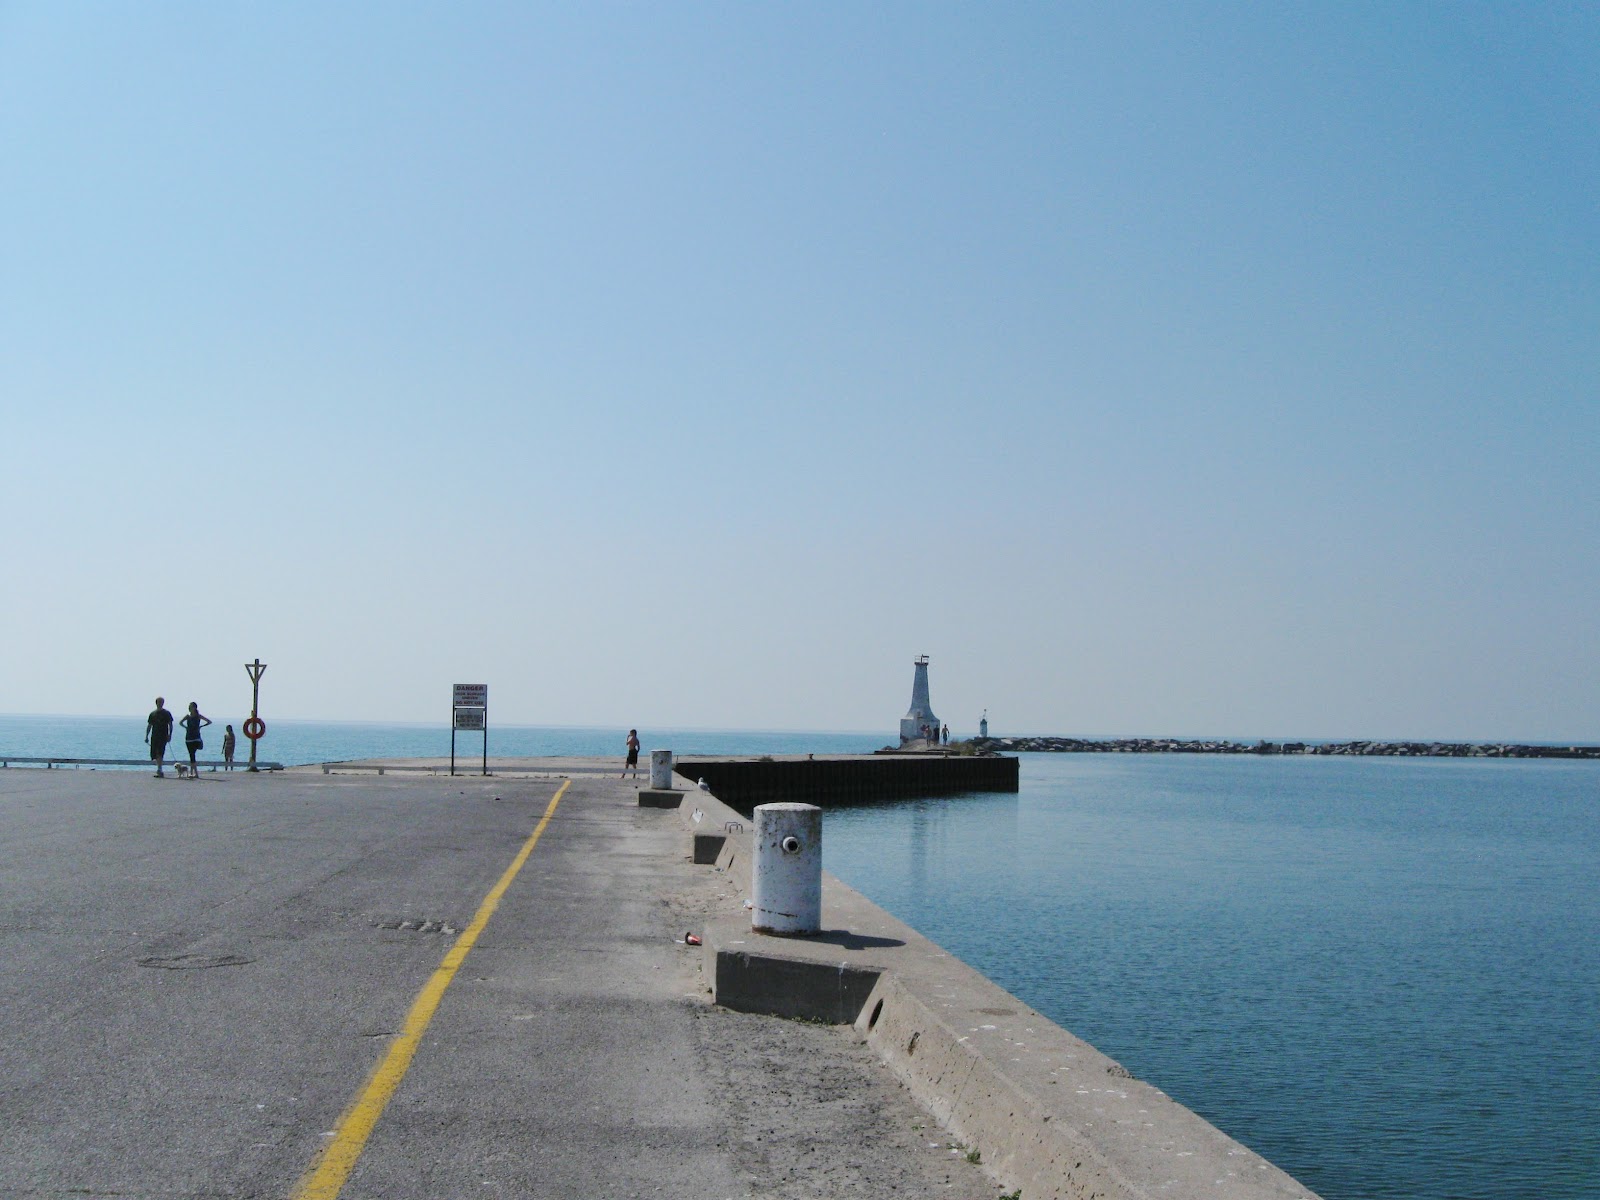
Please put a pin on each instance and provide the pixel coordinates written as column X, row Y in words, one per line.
column 295, row 743
column 1384, row 975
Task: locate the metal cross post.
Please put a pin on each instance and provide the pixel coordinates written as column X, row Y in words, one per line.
column 255, row 670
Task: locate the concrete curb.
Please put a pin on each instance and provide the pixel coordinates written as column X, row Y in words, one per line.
column 1020, row 1139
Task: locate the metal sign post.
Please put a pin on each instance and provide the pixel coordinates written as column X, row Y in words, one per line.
column 255, row 727
column 469, row 709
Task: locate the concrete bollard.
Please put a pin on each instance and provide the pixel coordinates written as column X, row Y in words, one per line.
column 660, row 769
column 786, row 873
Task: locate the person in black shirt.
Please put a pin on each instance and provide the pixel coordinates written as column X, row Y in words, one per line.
column 158, row 732
column 192, row 725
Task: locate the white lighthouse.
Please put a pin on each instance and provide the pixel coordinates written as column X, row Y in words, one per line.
column 919, row 722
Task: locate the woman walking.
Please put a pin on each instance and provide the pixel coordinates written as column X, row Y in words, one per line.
column 192, row 725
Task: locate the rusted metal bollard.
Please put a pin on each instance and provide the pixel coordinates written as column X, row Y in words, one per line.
column 786, row 876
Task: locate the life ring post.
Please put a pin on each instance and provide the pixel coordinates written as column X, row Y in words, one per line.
column 255, row 728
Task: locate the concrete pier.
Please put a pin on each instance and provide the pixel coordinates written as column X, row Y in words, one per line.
column 845, row 779
column 205, row 979
column 200, row 979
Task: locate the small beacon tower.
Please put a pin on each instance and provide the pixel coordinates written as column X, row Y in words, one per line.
column 921, row 714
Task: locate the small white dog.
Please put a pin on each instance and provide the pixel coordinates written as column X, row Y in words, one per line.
column 183, row 771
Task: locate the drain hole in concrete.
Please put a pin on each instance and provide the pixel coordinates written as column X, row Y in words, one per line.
column 877, row 1011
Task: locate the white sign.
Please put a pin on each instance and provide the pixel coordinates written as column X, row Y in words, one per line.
column 469, row 718
column 471, row 695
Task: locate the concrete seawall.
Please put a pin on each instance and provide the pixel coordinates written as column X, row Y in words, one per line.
column 837, row 780
column 1049, row 1114
column 1358, row 749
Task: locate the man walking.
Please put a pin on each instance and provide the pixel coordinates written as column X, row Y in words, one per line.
column 158, row 732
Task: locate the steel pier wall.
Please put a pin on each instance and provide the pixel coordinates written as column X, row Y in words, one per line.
column 837, row 782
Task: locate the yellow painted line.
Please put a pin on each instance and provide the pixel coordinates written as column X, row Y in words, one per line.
column 325, row 1180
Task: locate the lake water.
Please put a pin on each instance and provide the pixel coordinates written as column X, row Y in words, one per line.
column 1381, row 974
column 296, row 743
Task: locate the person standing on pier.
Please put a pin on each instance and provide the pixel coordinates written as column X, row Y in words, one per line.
column 192, row 725
column 633, row 755
column 228, row 743
column 158, row 732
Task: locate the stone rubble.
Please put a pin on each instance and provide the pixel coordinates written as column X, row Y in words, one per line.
column 1066, row 745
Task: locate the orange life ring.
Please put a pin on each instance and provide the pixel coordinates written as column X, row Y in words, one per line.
column 254, row 727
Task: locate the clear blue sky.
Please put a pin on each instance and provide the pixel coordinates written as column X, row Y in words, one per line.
column 1154, row 368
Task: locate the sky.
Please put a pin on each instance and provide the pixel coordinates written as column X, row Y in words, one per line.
column 1172, row 369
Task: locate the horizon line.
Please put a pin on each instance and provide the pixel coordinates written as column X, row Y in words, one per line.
column 886, row 731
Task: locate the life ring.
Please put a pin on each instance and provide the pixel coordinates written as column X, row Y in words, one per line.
column 254, row 727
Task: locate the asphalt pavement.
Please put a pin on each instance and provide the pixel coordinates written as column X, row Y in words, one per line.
column 199, row 979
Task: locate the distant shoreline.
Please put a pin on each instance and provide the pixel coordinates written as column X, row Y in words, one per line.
column 1356, row 749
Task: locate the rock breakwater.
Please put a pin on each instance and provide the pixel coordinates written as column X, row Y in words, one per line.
column 1065, row 745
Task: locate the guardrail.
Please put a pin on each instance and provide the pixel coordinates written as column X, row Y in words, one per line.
column 52, row 763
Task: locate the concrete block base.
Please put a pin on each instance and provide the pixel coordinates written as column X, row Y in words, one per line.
column 788, row 987
column 659, row 798
column 708, row 848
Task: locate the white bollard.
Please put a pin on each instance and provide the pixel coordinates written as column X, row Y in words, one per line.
column 786, row 875
column 661, row 769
